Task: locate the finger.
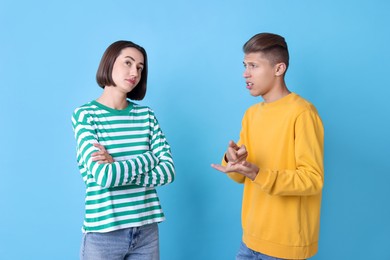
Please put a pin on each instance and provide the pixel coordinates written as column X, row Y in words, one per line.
column 231, row 154
column 242, row 157
column 99, row 153
column 98, row 158
column 101, row 147
column 241, row 154
column 101, row 162
column 233, row 145
column 241, row 150
column 219, row 167
column 97, row 145
column 105, row 160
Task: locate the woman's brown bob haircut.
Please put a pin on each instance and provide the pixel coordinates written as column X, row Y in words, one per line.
column 104, row 72
column 272, row 46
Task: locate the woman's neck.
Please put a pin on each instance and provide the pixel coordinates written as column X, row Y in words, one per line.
column 113, row 99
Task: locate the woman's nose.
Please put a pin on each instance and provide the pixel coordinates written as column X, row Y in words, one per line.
column 134, row 72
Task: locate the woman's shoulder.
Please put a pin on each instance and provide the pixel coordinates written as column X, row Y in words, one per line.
column 84, row 110
column 138, row 108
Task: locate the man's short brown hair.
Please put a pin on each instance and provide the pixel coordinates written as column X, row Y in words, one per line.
column 272, row 46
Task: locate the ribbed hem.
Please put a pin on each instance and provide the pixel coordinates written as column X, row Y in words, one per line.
column 278, row 250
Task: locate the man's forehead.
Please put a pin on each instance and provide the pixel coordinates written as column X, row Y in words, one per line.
column 253, row 57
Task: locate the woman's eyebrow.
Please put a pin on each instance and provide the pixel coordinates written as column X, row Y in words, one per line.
column 133, row 59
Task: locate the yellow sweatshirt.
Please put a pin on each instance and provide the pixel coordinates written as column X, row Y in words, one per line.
column 281, row 207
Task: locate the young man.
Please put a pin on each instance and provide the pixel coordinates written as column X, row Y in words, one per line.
column 279, row 158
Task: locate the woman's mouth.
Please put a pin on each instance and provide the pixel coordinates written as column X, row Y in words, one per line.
column 132, row 81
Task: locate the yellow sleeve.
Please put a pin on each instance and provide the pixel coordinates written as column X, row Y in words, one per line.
column 237, row 177
column 308, row 176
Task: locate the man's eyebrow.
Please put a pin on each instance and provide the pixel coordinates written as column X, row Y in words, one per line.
column 133, row 59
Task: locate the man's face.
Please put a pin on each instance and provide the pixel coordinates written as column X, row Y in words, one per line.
column 259, row 74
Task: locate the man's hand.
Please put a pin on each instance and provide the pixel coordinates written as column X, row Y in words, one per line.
column 245, row 168
column 102, row 156
column 235, row 153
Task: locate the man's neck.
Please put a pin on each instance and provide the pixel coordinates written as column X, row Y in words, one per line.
column 276, row 93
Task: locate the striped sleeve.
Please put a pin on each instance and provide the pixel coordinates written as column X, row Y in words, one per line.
column 164, row 172
column 107, row 175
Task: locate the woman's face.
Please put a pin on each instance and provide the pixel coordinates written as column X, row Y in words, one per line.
column 127, row 69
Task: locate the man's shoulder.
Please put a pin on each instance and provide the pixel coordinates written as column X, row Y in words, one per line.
column 253, row 109
column 255, row 106
column 302, row 104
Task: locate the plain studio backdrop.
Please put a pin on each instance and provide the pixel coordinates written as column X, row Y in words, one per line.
column 49, row 54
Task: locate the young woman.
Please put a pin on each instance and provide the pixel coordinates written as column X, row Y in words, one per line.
column 122, row 155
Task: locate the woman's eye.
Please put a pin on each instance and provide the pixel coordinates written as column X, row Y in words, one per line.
column 128, row 63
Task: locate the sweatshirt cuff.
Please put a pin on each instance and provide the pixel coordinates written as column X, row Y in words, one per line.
column 265, row 176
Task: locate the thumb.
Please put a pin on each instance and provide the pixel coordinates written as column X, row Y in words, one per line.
column 245, row 163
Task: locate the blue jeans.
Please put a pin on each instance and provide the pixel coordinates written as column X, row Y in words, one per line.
column 138, row 243
column 246, row 253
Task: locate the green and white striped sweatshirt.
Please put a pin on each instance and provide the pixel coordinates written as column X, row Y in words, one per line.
column 121, row 194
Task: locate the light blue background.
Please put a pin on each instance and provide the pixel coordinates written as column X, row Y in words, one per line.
column 49, row 54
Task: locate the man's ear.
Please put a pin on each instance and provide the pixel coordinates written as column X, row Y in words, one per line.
column 280, row 69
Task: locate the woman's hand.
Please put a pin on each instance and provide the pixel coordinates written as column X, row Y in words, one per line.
column 102, row 156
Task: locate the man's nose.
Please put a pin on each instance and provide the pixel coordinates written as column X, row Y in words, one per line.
column 246, row 73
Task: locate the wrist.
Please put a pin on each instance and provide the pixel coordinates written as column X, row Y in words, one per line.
column 254, row 173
